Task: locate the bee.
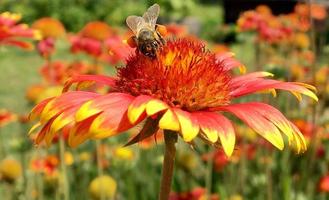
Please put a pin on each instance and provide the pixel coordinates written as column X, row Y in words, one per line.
column 147, row 34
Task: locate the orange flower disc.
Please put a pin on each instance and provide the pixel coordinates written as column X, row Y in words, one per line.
column 183, row 75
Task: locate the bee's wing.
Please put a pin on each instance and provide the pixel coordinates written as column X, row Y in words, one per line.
column 135, row 23
column 151, row 15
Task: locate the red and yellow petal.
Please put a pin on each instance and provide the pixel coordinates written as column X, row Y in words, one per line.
column 80, row 132
column 89, row 79
column 169, row 121
column 113, row 119
column 263, row 126
column 37, row 110
column 252, row 83
column 214, row 126
column 64, row 102
column 137, row 107
column 155, row 106
column 189, row 127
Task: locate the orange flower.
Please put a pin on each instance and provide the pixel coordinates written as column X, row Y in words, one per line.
column 184, row 89
column 6, row 117
column 96, row 30
column 10, row 170
column 317, row 11
column 33, row 92
column 49, row 27
column 264, row 10
column 269, row 27
column 50, row 30
column 176, row 30
column 11, row 32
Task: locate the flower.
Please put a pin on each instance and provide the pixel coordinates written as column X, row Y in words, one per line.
column 317, row 11
column 6, row 117
column 118, row 50
column 123, row 153
column 46, row 47
column 197, row 193
column 270, row 28
column 49, row 27
column 187, row 161
column 103, row 186
column 10, row 169
column 323, row 185
column 89, row 46
column 185, row 89
column 96, row 30
column 47, row 165
column 219, row 158
column 50, row 30
column 58, row 71
column 302, row 40
column 91, row 38
column 11, row 32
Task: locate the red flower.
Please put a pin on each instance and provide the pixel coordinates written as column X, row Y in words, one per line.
column 195, row 194
column 118, row 50
column 46, row 47
column 91, row 39
column 184, row 89
column 324, row 184
column 6, row 117
column 47, row 165
column 219, row 158
column 50, row 29
column 58, row 71
column 11, row 33
column 269, row 27
column 89, row 46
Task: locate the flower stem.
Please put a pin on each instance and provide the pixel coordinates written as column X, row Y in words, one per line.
column 99, row 166
column 65, row 186
column 168, row 164
column 208, row 178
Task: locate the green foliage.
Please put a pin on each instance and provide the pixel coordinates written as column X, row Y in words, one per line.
column 74, row 14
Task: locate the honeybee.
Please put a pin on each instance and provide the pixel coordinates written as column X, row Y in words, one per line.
column 147, row 34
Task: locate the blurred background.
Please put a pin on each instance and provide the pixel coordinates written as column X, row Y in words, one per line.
column 285, row 37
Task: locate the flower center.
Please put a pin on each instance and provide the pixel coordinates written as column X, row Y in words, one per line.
column 183, row 75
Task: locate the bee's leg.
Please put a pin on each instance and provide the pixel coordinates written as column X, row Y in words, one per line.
column 135, row 39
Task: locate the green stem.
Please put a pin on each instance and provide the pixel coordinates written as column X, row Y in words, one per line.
column 2, row 146
column 210, row 164
column 65, row 188
column 99, row 166
column 168, row 164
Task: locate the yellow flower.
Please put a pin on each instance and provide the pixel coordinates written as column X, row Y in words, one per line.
column 69, row 159
column 302, row 40
column 10, row 169
column 236, row 197
column 187, row 160
column 103, row 186
column 85, row 156
column 124, row 153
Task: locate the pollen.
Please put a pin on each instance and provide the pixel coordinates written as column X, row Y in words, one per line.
column 183, row 74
